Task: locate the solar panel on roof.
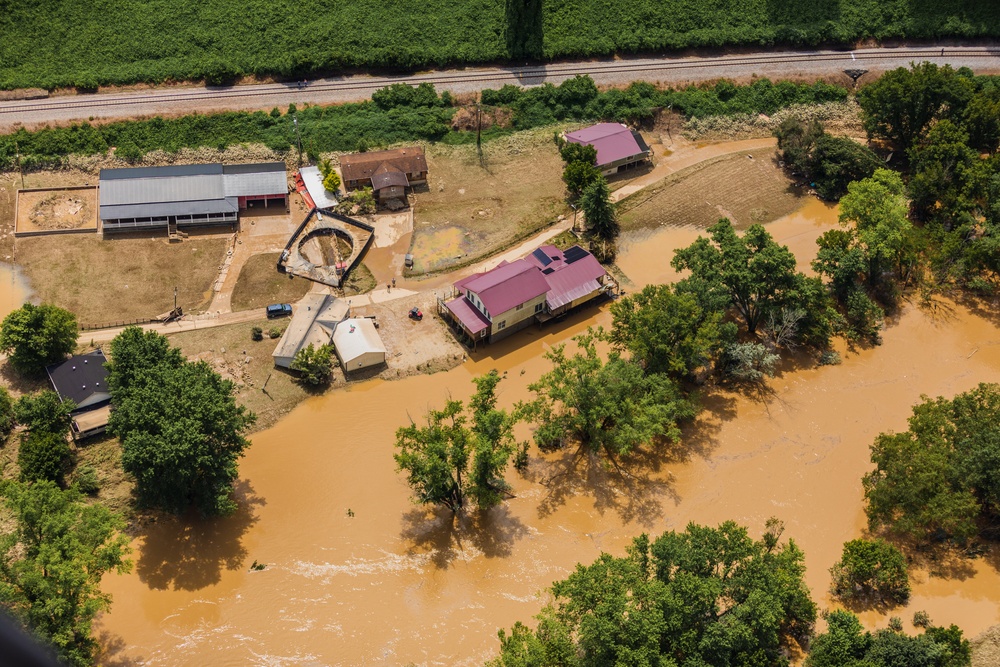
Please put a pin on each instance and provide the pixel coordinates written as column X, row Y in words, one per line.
column 541, row 257
column 574, row 253
column 548, row 271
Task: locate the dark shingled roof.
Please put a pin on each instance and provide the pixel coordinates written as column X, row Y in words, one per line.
column 361, row 166
column 386, row 176
column 81, row 379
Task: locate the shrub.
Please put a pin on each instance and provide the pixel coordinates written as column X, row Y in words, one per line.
column 87, row 480
column 871, row 570
column 256, row 333
column 748, row 362
column 275, row 332
column 315, row 364
column 42, row 456
column 921, row 619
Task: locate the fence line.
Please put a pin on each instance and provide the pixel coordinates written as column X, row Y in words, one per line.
column 114, row 325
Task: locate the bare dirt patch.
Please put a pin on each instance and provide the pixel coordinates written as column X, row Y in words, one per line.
column 469, row 210
column 248, row 363
column 747, row 187
column 260, row 284
column 122, row 278
column 40, row 211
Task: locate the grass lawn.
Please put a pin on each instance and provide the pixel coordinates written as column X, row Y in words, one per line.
column 105, row 281
column 260, row 284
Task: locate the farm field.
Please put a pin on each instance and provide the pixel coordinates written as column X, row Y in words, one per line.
column 51, row 45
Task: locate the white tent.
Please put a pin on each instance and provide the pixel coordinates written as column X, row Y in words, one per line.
column 358, row 344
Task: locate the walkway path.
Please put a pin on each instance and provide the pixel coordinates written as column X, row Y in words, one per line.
column 176, row 100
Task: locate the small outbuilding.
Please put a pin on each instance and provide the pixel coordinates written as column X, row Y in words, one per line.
column 358, row 344
column 617, row 146
column 314, row 319
column 388, row 173
column 83, row 379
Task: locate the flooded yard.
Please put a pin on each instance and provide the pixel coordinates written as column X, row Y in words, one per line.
column 358, row 575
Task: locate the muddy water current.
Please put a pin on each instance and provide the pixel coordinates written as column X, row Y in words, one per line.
column 357, row 575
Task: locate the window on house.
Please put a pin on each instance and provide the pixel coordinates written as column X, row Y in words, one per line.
column 539, row 307
column 501, row 325
column 519, row 306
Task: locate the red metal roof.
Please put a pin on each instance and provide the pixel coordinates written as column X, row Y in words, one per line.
column 571, row 281
column 467, row 314
column 507, row 286
column 613, row 141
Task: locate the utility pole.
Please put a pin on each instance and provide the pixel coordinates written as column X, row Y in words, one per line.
column 298, row 139
column 479, row 131
column 175, row 298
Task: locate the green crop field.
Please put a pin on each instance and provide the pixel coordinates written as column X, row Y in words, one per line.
column 86, row 43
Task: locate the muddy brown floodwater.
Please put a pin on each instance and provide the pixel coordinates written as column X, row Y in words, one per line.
column 357, row 575
column 14, row 290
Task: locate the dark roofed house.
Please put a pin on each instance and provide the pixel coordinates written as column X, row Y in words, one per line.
column 187, row 195
column 548, row 283
column 388, row 173
column 617, row 146
column 83, row 379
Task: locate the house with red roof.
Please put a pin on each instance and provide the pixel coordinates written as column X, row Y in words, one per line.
column 546, row 284
column 617, row 146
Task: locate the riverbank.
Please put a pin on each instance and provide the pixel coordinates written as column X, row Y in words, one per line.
column 333, row 586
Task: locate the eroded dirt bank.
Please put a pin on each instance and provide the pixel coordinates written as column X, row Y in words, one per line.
column 394, row 584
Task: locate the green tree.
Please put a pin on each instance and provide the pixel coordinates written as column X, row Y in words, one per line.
column 871, row 570
column 666, row 332
column 315, row 364
column 830, row 163
column 578, row 176
column 7, row 417
column 36, row 336
column 181, row 429
column 599, row 211
column 51, row 564
column 982, row 121
column 450, row 459
column 948, row 176
column 876, row 207
column 750, row 273
column 796, row 141
column 902, row 103
column 331, row 182
column 706, row 596
column 943, row 473
column 573, row 152
column 44, row 412
column 42, row 456
column 605, row 407
column 847, row 644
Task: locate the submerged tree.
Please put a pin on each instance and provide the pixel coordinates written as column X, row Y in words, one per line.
column 667, row 332
column 705, row 596
column 871, row 570
column 451, row 459
column 51, row 564
column 751, row 273
column 605, row 407
column 942, row 474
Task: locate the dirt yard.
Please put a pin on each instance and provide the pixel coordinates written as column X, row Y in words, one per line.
column 122, row 278
column 57, row 210
column 468, row 211
column 260, row 284
column 747, row 187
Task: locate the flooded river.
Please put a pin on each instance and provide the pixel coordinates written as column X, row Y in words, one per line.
column 357, row 575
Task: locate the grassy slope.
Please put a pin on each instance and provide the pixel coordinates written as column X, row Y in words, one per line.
column 75, row 42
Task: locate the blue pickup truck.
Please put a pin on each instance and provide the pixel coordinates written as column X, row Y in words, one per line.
column 279, row 310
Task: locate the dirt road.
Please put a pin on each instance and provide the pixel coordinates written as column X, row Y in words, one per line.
column 674, row 70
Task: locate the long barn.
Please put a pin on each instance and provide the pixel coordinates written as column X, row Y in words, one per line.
column 187, row 195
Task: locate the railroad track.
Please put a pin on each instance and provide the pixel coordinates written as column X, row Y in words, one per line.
column 527, row 75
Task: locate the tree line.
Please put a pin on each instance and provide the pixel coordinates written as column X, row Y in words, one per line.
column 181, row 434
column 395, row 114
column 49, row 45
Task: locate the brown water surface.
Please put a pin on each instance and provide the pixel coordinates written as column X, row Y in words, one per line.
column 357, row 575
column 14, row 290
